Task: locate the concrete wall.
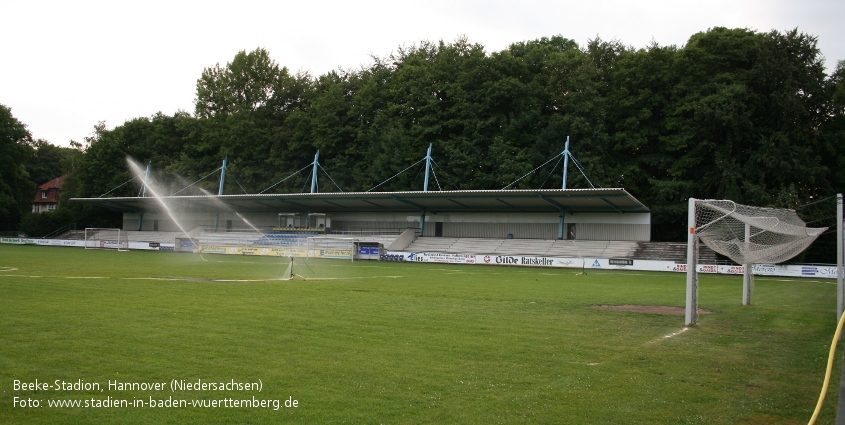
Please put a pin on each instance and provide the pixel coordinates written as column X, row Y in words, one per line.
column 583, row 226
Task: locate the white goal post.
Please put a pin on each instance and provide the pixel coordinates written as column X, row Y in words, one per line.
column 106, row 238
column 331, row 247
column 745, row 234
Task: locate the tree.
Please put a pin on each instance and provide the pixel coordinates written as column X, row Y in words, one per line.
column 244, row 108
column 733, row 114
column 47, row 162
column 744, row 123
column 16, row 189
column 251, row 82
column 834, row 125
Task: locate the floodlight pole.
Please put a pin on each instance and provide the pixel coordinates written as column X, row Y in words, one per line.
column 692, row 271
column 747, row 275
column 314, row 173
column 566, row 155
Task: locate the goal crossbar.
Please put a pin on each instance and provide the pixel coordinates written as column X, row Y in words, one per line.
column 747, row 235
column 331, row 247
column 106, row 238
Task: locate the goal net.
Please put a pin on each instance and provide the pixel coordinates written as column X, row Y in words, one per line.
column 745, row 234
column 751, row 235
column 105, row 238
column 331, row 247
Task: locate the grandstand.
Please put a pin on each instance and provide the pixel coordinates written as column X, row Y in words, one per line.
column 589, row 222
column 601, row 223
column 281, row 237
column 668, row 251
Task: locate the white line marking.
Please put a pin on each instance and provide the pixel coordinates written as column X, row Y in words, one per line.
column 676, row 333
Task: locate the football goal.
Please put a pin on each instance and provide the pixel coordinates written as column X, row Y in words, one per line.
column 745, row 234
column 106, row 238
column 331, row 247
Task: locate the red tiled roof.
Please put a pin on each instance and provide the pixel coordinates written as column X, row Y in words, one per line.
column 53, row 184
column 53, row 188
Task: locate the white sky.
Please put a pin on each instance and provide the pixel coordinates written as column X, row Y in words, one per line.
column 66, row 65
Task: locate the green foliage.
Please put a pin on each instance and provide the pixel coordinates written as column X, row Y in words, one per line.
column 16, row 189
column 833, row 129
column 251, row 82
column 734, row 114
column 37, row 225
column 48, row 162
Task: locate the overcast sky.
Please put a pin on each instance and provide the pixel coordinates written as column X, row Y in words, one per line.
column 66, row 65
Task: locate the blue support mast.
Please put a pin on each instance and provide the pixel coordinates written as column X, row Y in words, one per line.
column 222, row 176
column 144, row 194
column 427, row 168
column 316, row 164
column 146, row 178
column 566, row 154
column 220, row 190
column 425, row 186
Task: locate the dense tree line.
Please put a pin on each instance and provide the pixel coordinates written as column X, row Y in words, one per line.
column 733, row 114
column 26, row 163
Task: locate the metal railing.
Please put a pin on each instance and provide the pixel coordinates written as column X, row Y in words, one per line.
column 59, row 231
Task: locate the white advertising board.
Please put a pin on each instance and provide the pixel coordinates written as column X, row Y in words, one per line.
column 815, row 271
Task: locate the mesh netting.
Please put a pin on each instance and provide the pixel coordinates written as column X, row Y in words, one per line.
column 752, row 235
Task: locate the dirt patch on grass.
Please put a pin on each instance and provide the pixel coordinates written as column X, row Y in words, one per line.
column 653, row 309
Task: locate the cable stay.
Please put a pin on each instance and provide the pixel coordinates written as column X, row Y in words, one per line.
column 190, row 185
column 330, row 177
column 395, row 175
column 428, row 161
column 118, row 187
column 566, row 155
column 240, row 186
column 316, row 187
column 142, row 192
column 435, row 175
column 581, row 169
column 314, row 165
column 284, row 179
column 532, row 171
column 560, row 158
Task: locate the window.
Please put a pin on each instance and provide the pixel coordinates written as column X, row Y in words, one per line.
column 43, row 194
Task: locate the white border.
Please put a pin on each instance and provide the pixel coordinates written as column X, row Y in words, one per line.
column 588, row 263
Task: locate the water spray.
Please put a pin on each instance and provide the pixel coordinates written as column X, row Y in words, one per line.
column 138, row 171
column 247, row 222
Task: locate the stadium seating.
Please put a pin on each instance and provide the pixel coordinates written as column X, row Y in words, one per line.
column 669, row 251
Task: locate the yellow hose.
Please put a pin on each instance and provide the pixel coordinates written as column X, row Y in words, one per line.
column 829, row 368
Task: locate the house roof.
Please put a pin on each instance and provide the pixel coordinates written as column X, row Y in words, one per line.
column 541, row 200
column 53, row 184
column 52, row 188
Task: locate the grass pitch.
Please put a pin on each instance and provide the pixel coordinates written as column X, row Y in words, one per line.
column 373, row 342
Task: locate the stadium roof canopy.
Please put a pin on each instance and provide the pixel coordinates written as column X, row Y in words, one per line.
column 542, row 200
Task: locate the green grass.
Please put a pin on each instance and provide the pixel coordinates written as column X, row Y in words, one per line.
column 404, row 342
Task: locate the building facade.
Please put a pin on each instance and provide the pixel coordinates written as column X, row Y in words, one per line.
column 47, row 196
